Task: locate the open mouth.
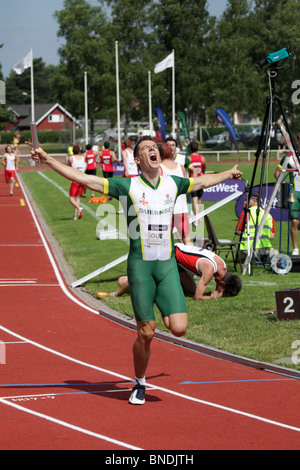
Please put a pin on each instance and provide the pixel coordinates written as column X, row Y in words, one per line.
column 153, row 157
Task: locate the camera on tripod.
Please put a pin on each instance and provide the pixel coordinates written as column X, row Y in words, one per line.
column 275, row 57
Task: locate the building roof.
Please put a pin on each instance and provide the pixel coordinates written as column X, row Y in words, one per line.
column 41, row 112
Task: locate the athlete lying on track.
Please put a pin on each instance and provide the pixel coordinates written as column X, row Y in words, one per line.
column 192, row 260
column 151, row 267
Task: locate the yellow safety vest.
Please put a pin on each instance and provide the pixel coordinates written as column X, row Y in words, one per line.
column 264, row 240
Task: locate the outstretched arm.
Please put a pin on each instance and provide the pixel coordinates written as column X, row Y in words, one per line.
column 95, row 183
column 207, row 180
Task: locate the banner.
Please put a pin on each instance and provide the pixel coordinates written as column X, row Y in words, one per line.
column 222, row 190
column 267, row 191
column 223, row 117
column 165, row 64
column 185, row 131
column 161, row 121
column 23, row 64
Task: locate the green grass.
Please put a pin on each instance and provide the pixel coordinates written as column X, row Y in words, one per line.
column 246, row 325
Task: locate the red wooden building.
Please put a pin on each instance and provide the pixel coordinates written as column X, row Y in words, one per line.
column 47, row 117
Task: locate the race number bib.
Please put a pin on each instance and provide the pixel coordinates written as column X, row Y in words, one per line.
column 158, row 235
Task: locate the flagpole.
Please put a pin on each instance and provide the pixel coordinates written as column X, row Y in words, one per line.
column 86, row 109
column 118, row 103
column 32, row 89
column 173, row 96
column 150, row 103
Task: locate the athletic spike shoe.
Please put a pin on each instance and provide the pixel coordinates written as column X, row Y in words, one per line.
column 80, row 213
column 137, row 396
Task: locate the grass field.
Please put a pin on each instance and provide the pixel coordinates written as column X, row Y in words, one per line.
column 246, row 325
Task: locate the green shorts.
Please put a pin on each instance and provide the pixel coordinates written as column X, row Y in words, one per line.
column 155, row 282
column 295, row 206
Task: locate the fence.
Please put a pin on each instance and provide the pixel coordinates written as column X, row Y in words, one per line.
column 242, row 155
column 210, row 155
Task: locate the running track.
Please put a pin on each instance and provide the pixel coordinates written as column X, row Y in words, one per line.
column 68, row 371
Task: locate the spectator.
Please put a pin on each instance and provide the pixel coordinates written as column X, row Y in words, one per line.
column 263, row 250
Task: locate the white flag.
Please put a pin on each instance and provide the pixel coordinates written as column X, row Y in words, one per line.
column 23, row 64
column 165, row 64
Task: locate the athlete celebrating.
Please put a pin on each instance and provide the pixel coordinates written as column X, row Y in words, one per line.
column 151, row 268
column 10, row 162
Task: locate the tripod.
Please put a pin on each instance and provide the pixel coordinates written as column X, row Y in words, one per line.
column 263, row 147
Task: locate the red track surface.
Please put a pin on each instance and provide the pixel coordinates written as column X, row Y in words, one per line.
column 68, row 371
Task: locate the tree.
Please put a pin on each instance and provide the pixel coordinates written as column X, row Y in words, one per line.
column 18, row 87
column 88, row 48
column 183, row 25
column 131, row 26
column 235, row 82
column 274, row 25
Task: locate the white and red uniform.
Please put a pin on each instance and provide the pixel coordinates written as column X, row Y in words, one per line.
column 76, row 189
column 187, row 257
column 10, row 166
column 181, row 219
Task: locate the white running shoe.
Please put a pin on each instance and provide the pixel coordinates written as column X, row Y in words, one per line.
column 137, row 396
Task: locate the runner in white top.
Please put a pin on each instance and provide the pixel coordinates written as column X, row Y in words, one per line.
column 130, row 167
column 78, row 162
column 181, row 220
column 10, row 162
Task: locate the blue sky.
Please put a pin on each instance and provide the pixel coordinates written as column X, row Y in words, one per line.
column 30, row 23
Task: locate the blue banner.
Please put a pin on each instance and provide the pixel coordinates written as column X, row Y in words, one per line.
column 223, row 117
column 267, row 191
column 161, row 121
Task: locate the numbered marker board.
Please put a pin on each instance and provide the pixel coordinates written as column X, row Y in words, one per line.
column 288, row 304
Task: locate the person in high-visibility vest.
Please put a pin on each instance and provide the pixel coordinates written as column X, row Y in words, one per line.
column 263, row 248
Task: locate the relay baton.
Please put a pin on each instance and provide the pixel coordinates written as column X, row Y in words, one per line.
column 34, row 138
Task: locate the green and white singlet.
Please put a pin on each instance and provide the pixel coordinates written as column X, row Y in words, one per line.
column 152, row 269
column 149, row 212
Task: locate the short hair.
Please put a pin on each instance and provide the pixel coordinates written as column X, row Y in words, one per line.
column 233, row 284
column 136, row 148
column 76, row 149
column 194, row 146
column 106, row 144
column 171, row 139
column 88, row 146
column 165, row 151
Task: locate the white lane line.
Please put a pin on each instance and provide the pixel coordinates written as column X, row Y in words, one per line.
column 171, row 392
column 70, row 426
column 62, row 285
column 87, row 209
column 51, row 258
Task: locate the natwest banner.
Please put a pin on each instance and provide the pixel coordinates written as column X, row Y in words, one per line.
column 222, row 190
